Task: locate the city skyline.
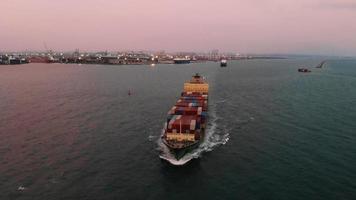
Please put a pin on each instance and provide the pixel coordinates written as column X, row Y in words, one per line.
column 323, row 27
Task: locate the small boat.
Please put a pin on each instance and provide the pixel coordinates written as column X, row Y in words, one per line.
column 223, row 63
column 304, row 70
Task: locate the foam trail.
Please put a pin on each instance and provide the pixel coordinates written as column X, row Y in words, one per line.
column 211, row 140
column 152, row 137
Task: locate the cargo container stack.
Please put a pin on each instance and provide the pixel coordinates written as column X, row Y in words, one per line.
column 186, row 120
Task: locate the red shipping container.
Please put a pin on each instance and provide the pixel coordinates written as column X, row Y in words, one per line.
column 186, row 111
column 183, row 123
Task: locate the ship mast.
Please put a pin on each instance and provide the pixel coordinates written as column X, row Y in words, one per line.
column 180, row 126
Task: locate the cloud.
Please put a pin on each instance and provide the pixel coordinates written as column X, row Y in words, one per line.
column 338, row 5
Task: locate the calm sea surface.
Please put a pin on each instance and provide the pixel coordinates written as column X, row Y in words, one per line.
column 72, row 132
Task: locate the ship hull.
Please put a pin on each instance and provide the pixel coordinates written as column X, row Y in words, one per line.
column 180, row 152
column 223, row 63
column 181, row 61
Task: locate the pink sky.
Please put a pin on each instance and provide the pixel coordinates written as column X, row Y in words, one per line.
column 246, row 26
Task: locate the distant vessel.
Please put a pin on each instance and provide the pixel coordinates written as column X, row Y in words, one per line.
column 39, row 59
column 186, row 121
column 321, row 64
column 223, row 63
column 14, row 61
column 181, row 61
column 304, row 70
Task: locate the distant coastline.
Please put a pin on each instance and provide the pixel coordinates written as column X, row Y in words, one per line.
column 121, row 58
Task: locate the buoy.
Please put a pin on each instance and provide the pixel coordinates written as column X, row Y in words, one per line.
column 21, row 188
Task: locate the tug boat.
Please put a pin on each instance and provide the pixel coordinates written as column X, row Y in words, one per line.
column 223, row 63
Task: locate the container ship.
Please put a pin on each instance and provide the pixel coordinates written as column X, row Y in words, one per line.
column 187, row 119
